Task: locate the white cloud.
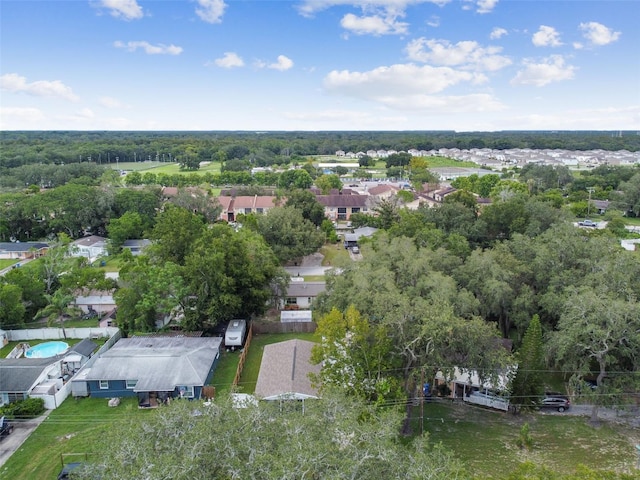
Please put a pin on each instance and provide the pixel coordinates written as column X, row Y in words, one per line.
column 211, row 11
column 229, row 60
column 481, row 6
column 124, row 9
column 434, row 21
column 149, row 49
column 110, row 102
column 390, row 84
column 598, row 34
column 283, row 63
column 15, row 118
column 466, row 54
column 310, row 7
column 551, row 69
column 486, row 6
column 40, row 88
column 546, row 37
column 497, row 32
column 373, row 25
column 578, row 45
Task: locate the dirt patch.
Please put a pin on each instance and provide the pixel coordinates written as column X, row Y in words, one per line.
column 313, row 260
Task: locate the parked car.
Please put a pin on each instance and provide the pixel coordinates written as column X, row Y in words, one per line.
column 555, row 402
column 587, row 223
column 355, row 249
column 5, row 427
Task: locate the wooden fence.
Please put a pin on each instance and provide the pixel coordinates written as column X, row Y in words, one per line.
column 243, row 356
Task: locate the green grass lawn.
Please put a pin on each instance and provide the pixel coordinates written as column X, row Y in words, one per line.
column 486, row 440
column 7, row 262
column 165, row 167
column 69, row 432
column 335, row 255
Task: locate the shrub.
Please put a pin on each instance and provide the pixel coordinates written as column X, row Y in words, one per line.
column 29, row 408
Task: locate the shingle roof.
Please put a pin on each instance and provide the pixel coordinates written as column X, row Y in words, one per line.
column 20, row 374
column 342, row 200
column 22, row 246
column 158, row 363
column 284, row 371
column 84, row 347
column 305, row 289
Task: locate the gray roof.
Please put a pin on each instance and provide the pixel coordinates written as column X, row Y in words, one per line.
column 136, row 243
column 20, row 374
column 85, row 347
column 342, row 200
column 21, row 246
column 305, row 289
column 158, row 363
column 284, row 371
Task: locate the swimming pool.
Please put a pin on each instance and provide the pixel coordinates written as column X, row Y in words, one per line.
column 46, row 349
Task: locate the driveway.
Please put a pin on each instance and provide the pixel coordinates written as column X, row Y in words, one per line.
column 21, row 431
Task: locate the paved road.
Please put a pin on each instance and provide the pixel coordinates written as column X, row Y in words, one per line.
column 21, row 431
column 306, row 271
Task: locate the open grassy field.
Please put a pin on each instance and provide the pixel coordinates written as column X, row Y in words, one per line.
column 165, row 167
column 486, row 440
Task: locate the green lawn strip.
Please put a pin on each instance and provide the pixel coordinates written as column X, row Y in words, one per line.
column 7, row 262
column 225, row 371
column 73, row 428
column 486, row 440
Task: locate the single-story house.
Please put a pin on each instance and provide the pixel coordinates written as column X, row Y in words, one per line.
column 19, row 377
column 155, row 369
column 302, row 294
column 136, row 246
column 284, row 371
column 91, row 247
column 601, row 206
column 22, row 250
column 99, row 301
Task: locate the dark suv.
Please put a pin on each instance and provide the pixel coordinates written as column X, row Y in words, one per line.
column 555, row 401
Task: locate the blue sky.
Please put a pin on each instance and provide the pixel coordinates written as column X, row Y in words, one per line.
column 319, row 65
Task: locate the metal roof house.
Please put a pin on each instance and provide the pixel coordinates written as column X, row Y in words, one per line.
column 284, row 371
column 154, row 369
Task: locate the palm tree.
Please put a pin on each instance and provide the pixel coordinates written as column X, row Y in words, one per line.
column 57, row 308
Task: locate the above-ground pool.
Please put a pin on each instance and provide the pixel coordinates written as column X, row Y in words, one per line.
column 46, row 349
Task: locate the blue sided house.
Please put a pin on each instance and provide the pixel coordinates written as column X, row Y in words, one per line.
column 155, row 369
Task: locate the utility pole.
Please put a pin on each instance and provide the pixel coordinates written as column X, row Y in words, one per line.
column 422, row 401
column 590, row 189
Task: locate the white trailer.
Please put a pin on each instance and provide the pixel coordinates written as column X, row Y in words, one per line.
column 235, row 334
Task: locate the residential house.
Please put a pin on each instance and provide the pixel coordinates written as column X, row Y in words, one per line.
column 352, row 239
column 383, row 191
column 601, row 206
column 244, row 205
column 301, row 295
column 154, row 368
column 22, row 378
column 22, row 250
column 341, row 207
column 91, row 247
column 99, row 301
column 284, row 371
column 136, row 246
